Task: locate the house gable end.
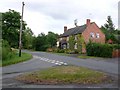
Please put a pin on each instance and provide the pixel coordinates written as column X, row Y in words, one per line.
column 95, row 30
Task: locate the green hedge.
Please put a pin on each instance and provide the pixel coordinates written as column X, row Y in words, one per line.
column 116, row 46
column 57, row 50
column 99, row 50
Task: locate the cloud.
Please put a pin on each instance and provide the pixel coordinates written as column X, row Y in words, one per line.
column 53, row 15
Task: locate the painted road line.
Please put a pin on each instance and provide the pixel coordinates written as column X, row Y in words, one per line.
column 62, row 62
column 65, row 64
column 57, row 63
column 51, row 61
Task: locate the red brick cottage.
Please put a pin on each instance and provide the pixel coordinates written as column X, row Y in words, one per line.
column 90, row 32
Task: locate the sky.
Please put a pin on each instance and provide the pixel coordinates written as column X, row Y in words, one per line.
column 52, row 15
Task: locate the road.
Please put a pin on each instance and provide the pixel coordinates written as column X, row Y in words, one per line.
column 42, row 60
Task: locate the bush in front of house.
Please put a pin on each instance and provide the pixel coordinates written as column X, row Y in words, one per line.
column 99, row 50
column 57, row 50
column 116, row 46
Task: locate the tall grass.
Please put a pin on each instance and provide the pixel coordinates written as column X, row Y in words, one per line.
column 10, row 56
column 6, row 51
column 16, row 59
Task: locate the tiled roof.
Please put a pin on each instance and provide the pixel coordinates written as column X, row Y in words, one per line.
column 73, row 31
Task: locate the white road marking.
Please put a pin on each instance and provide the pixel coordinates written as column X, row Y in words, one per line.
column 62, row 62
column 51, row 61
column 57, row 63
column 65, row 64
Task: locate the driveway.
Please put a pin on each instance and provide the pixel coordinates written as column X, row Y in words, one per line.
column 42, row 60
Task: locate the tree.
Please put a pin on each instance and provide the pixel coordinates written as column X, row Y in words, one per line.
column 52, row 39
column 27, row 40
column 0, row 26
column 11, row 26
column 109, row 25
column 40, row 43
column 109, row 30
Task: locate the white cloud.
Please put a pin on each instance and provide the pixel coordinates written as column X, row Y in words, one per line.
column 53, row 15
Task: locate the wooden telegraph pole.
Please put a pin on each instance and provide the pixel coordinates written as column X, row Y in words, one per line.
column 21, row 27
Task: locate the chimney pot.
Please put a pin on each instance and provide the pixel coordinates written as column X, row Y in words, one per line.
column 65, row 28
column 88, row 22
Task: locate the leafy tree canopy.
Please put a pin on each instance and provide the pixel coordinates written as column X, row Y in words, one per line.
column 11, row 26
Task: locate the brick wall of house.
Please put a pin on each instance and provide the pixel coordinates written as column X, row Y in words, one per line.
column 95, row 29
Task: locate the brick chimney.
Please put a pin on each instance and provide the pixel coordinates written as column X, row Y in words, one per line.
column 65, row 28
column 88, row 22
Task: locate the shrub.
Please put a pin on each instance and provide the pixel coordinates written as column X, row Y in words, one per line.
column 57, row 50
column 76, row 51
column 61, row 51
column 99, row 50
column 116, row 46
column 68, row 51
column 6, row 51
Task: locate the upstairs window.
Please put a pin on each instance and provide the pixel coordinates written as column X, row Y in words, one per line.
column 92, row 35
column 97, row 35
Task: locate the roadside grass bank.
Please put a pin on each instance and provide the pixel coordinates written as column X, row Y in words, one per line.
column 65, row 75
column 78, row 55
column 16, row 59
column 88, row 57
column 62, row 54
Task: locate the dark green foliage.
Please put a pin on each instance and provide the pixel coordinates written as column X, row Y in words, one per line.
column 51, row 39
column 27, row 38
column 71, row 42
column 109, row 30
column 42, row 42
column 116, row 46
column 109, row 35
column 6, row 51
column 11, row 26
column 59, row 50
column 109, row 25
column 99, row 50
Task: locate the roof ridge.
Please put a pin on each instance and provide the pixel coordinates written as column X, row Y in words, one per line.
column 76, row 27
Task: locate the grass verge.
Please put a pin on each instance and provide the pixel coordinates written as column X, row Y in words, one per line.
column 62, row 54
column 65, row 75
column 87, row 57
column 16, row 59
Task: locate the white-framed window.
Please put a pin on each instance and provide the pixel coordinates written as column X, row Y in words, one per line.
column 92, row 35
column 75, row 46
column 75, row 37
column 97, row 35
column 57, row 43
column 67, row 45
column 68, row 38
